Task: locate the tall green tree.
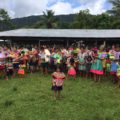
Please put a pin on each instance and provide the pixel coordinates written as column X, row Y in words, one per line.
column 48, row 20
column 116, row 8
column 5, row 20
column 82, row 20
column 102, row 21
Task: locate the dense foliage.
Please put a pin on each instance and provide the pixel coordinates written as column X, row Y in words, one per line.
column 5, row 23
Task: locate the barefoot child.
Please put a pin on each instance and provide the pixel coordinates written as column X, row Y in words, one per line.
column 71, row 67
column 88, row 62
column 113, row 70
column 9, row 68
column 118, row 74
column 21, row 71
column 97, row 69
column 81, row 66
column 57, row 82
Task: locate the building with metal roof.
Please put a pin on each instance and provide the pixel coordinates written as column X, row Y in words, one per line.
column 64, row 33
column 69, row 35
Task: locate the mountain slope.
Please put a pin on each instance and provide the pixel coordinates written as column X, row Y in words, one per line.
column 31, row 20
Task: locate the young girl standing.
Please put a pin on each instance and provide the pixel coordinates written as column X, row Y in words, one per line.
column 113, row 70
column 57, row 82
column 97, row 68
column 118, row 74
column 81, row 66
column 21, row 71
column 9, row 68
column 88, row 62
column 71, row 67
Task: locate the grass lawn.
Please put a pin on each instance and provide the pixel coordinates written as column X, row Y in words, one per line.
column 31, row 99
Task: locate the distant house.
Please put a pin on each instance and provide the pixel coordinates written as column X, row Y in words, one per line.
column 61, row 36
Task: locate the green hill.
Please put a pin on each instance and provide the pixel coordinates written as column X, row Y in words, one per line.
column 31, row 20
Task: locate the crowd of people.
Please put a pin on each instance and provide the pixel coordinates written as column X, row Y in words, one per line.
column 86, row 62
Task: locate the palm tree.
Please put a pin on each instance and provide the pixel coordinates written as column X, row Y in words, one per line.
column 49, row 20
column 116, row 8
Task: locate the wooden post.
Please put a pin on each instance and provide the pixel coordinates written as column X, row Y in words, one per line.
column 39, row 44
column 11, row 43
column 96, row 43
column 4, row 42
column 67, row 43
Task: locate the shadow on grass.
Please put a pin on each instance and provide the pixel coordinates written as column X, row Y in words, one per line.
column 8, row 103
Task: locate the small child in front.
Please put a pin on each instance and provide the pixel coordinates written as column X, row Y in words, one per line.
column 57, row 82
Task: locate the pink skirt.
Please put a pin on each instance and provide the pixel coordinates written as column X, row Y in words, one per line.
column 98, row 72
column 21, row 72
column 72, row 72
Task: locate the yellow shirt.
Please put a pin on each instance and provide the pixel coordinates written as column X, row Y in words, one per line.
column 118, row 71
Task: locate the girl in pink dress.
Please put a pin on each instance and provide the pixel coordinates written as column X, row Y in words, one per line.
column 71, row 67
column 72, row 71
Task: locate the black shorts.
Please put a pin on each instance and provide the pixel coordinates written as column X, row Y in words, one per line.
column 9, row 72
column 45, row 65
column 57, row 88
column 16, row 65
column 88, row 67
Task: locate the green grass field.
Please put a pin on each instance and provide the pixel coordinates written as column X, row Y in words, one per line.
column 31, row 98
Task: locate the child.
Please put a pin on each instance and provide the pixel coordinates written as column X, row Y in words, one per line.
column 71, row 66
column 42, row 61
column 15, row 64
column 31, row 64
column 9, row 68
column 57, row 82
column 2, row 63
column 81, row 66
column 113, row 70
column 25, row 60
column 118, row 74
column 88, row 62
column 104, row 61
column 97, row 68
column 21, row 71
column 108, row 65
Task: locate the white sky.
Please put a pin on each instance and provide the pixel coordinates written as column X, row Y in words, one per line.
column 21, row 8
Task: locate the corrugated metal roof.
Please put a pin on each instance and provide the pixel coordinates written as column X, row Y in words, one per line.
column 66, row 33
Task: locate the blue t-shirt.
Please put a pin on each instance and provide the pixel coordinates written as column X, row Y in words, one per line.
column 114, row 66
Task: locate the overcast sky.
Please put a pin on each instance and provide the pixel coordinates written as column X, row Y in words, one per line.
column 22, row 8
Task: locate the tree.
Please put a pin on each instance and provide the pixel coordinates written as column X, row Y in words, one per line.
column 4, row 20
column 116, row 8
column 103, row 21
column 116, row 24
column 83, row 20
column 48, row 20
